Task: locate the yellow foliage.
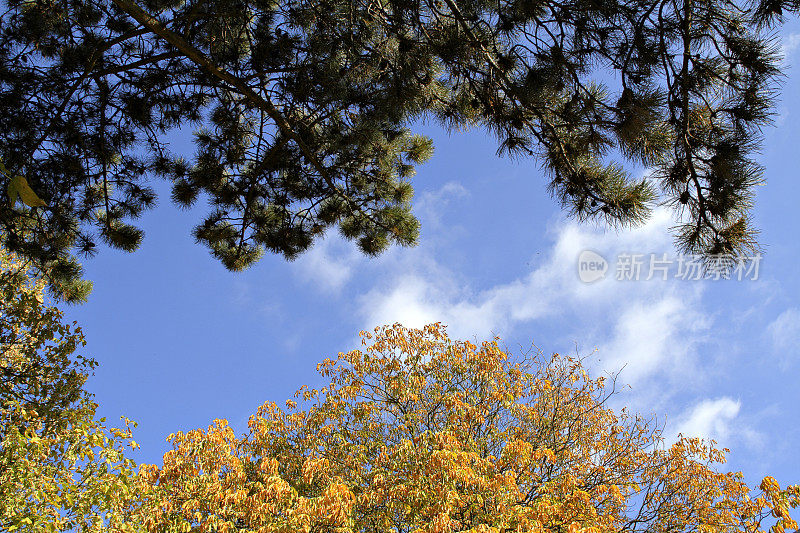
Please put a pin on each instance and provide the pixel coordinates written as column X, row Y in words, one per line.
column 420, row 433
column 61, row 469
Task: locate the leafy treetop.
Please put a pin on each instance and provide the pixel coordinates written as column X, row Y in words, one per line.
column 420, row 433
column 61, row 469
column 38, row 364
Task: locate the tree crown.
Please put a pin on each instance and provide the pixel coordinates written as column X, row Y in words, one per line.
column 61, row 469
column 305, row 109
column 421, row 433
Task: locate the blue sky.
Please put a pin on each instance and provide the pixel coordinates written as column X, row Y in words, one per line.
column 182, row 341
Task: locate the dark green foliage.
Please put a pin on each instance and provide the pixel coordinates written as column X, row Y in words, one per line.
column 304, row 108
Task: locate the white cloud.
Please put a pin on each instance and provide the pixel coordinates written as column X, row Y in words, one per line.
column 430, row 203
column 710, row 419
column 790, row 43
column 657, row 336
column 415, row 301
column 420, row 290
column 784, row 333
column 652, row 328
column 332, row 261
column 658, row 332
column 329, row 264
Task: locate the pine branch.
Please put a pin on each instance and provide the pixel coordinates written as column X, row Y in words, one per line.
column 197, row 57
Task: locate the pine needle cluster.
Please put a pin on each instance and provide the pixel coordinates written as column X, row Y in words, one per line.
column 302, row 112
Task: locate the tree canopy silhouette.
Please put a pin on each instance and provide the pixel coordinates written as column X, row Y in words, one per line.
column 302, row 112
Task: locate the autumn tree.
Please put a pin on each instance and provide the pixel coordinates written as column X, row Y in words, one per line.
column 60, row 467
column 302, row 110
column 421, row 433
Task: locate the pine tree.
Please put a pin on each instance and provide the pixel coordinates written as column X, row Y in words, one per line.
column 303, row 109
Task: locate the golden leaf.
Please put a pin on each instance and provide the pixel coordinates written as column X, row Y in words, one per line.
column 18, row 187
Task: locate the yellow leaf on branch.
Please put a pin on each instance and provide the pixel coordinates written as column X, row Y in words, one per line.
column 18, row 188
